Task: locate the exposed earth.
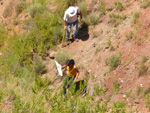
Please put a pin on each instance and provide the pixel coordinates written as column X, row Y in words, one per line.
column 91, row 51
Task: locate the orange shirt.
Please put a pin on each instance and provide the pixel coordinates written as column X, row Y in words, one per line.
column 72, row 72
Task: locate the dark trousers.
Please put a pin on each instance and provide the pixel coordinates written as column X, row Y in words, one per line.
column 66, row 81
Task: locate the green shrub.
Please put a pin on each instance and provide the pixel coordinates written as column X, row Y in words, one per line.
column 113, row 61
column 135, row 17
column 7, row 10
column 116, row 86
column 38, row 65
column 20, row 6
column 116, row 19
column 119, row 6
column 83, row 6
column 142, row 68
column 148, row 103
column 1, row 95
column 145, row 4
column 130, row 35
column 98, row 90
column 137, row 39
column 15, row 21
column 92, row 19
column 35, row 9
column 102, row 6
column 40, row 83
column 108, row 42
column 139, row 90
column 3, row 36
column 62, row 57
column 119, row 107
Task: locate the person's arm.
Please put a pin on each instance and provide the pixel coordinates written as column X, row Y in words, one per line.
column 81, row 19
column 75, row 80
column 65, row 26
column 63, row 66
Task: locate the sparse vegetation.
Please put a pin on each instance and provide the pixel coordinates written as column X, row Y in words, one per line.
column 116, row 19
column 24, row 85
column 130, row 35
column 137, row 39
column 98, row 90
column 97, row 50
column 119, row 6
column 135, row 17
column 95, row 33
column 92, row 19
column 145, row 4
column 83, row 6
column 62, row 57
column 139, row 90
column 7, row 11
column 116, row 86
column 113, row 61
column 35, row 9
column 119, row 107
column 111, row 47
column 142, row 67
column 20, row 6
column 3, row 36
column 102, row 6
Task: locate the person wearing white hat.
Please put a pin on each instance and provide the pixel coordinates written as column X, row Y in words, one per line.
column 71, row 18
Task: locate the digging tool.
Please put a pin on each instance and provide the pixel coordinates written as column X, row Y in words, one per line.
column 63, row 38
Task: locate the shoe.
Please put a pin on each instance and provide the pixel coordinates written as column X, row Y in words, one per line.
column 68, row 41
column 76, row 40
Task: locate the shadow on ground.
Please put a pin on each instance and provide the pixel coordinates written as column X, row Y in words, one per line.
column 83, row 33
column 80, row 86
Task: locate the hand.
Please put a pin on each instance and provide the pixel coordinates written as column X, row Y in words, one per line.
column 81, row 20
column 65, row 27
column 75, row 81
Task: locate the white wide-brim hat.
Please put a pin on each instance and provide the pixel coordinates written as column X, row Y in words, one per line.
column 72, row 11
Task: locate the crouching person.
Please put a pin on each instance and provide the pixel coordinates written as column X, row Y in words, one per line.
column 72, row 74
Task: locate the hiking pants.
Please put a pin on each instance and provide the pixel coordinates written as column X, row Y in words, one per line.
column 68, row 80
column 69, row 25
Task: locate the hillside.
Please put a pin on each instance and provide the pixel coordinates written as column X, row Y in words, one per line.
column 112, row 55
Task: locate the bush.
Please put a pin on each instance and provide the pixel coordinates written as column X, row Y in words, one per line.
column 92, row 19
column 83, row 6
column 135, row 17
column 3, row 36
column 38, row 65
column 145, row 4
column 116, row 19
column 1, row 95
column 102, row 6
column 6, row 12
column 119, row 107
column 142, row 68
column 35, row 9
column 62, row 57
column 129, row 35
column 20, row 6
column 113, row 61
column 119, row 6
column 116, row 86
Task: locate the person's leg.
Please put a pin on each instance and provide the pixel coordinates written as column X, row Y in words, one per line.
column 65, row 83
column 71, row 79
column 70, row 85
column 68, row 30
column 75, row 24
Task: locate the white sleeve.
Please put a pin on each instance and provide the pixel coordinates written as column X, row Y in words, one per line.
column 78, row 10
column 65, row 16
